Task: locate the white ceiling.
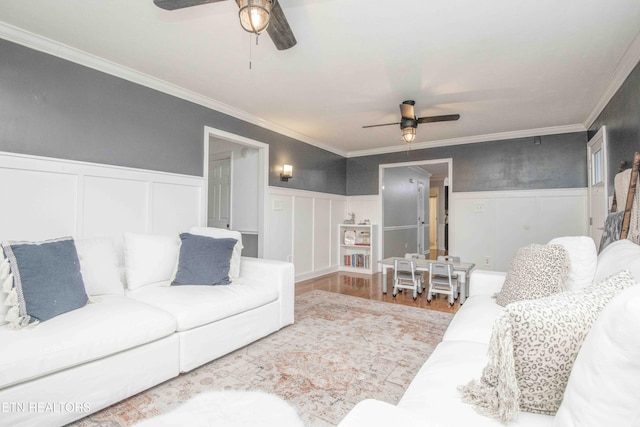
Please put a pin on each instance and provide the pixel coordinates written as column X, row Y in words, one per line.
column 506, row 66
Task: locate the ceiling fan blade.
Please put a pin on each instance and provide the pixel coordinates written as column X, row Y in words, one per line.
column 279, row 29
column 181, row 4
column 406, row 109
column 375, row 126
column 445, row 118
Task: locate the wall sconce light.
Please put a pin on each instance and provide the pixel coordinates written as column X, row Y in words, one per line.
column 287, row 172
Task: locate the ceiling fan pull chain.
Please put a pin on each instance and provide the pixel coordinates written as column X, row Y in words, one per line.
column 249, row 51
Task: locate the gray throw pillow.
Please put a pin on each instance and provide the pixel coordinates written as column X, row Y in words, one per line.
column 204, row 260
column 44, row 280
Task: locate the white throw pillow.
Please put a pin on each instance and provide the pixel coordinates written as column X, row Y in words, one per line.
column 603, row 387
column 99, row 266
column 619, row 255
column 150, row 259
column 583, row 257
column 221, row 233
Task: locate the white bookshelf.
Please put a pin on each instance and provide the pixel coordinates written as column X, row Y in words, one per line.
column 357, row 248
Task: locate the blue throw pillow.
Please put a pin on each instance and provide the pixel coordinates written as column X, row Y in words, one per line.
column 44, row 280
column 204, row 260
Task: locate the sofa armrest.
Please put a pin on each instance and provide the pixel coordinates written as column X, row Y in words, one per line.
column 484, row 282
column 374, row 413
column 273, row 273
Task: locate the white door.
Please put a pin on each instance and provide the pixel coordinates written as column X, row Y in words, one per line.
column 219, row 209
column 597, row 169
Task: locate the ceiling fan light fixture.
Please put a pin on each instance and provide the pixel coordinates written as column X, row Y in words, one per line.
column 254, row 15
column 408, row 134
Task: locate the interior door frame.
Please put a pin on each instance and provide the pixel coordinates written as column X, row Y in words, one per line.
column 263, row 177
column 382, row 167
column 600, row 135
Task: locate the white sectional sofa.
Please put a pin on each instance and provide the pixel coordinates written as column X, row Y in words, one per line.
column 433, row 399
column 137, row 331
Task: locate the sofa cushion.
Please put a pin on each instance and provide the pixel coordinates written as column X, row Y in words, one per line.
column 603, row 387
column 43, row 280
column 99, row 266
column 194, row 306
column 433, row 394
column 583, row 257
column 536, row 271
column 97, row 330
column 474, row 320
column 619, row 255
column 221, row 233
column 533, row 347
column 203, row 260
column 150, row 259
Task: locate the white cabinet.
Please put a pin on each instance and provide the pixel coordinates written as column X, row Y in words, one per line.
column 357, row 248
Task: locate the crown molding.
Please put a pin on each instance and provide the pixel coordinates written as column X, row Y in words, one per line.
column 471, row 140
column 51, row 47
column 626, row 65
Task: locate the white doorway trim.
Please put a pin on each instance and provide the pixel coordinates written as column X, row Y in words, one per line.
column 263, row 176
column 381, row 169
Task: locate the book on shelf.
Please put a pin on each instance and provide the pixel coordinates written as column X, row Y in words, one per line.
column 357, row 260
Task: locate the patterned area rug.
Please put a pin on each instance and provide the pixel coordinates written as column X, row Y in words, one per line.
column 341, row 350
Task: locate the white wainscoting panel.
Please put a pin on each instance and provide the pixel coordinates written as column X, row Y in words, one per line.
column 488, row 227
column 52, row 198
column 321, row 238
column 302, row 228
column 174, row 207
column 279, row 240
column 29, row 193
column 303, row 232
column 113, row 206
column 338, row 212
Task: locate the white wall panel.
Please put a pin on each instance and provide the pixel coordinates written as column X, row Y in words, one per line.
column 37, row 205
column 57, row 198
column 303, row 227
column 516, row 226
column 488, row 227
column 553, row 219
column 338, row 215
column 113, row 206
column 321, row 234
column 175, row 207
column 472, row 229
column 279, row 244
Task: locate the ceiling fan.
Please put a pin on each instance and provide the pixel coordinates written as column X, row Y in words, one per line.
column 278, row 28
column 409, row 122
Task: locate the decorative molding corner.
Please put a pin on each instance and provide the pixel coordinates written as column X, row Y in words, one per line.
column 51, row 47
column 626, row 65
column 472, row 139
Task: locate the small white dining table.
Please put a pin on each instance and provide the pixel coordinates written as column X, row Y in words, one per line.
column 462, row 268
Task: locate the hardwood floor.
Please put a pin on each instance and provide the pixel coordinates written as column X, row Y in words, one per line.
column 370, row 286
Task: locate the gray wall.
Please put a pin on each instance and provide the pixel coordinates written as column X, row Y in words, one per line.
column 56, row 108
column 622, row 118
column 514, row 164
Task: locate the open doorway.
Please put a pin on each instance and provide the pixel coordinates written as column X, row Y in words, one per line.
column 235, row 173
column 397, row 198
